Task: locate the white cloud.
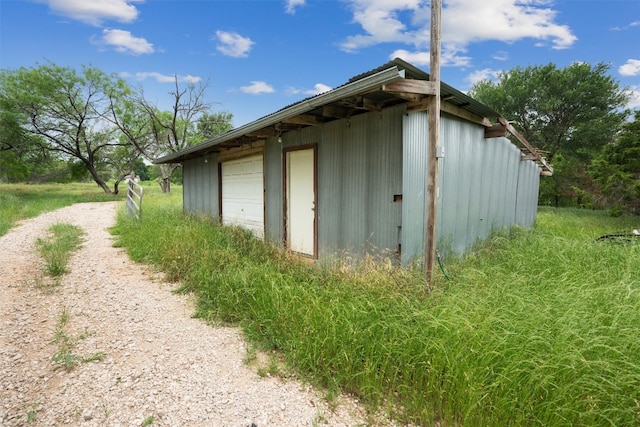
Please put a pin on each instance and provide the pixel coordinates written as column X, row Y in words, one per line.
column 292, row 4
column 468, row 21
column 318, row 88
column 94, row 12
column 631, row 68
column 500, row 55
column 161, row 78
column 415, row 58
column 257, row 87
column 463, row 22
column 449, row 57
column 124, row 42
column 634, row 97
column 480, row 75
column 381, row 21
column 233, row 44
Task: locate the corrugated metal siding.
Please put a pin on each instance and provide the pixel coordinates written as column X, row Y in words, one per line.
column 483, row 185
column 200, row 185
column 359, row 172
column 365, row 161
column 273, row 191
column 414, row 153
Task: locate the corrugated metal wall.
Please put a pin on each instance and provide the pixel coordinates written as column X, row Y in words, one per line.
column 273, row 191
column 359, row 172
column 200, row 185
column 483, row 185
column 367, row 163
column 415, row 149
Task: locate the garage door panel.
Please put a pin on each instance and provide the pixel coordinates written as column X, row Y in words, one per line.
column 243, row 194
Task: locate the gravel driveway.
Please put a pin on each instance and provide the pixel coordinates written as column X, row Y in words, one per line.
column 160, row 366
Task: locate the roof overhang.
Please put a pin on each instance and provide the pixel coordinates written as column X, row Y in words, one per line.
column 292, row 117
column 394, row 83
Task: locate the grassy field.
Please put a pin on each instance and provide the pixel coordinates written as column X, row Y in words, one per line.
column 20, row 201
column 536, row 327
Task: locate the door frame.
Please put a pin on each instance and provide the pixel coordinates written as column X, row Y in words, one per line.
column 285, row 201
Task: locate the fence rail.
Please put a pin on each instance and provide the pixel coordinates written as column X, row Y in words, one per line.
column 134, row 199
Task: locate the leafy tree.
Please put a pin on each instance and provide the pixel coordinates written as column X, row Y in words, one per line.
column 617, row 168
column 572, row 111
column 61, row 111
column 141, row 169
column 210, row 125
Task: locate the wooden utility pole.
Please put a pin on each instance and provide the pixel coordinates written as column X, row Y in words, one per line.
column 434, row 140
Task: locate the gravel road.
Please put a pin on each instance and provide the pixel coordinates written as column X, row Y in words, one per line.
column 159, row 367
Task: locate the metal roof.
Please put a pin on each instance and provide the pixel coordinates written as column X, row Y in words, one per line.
column 360, row 94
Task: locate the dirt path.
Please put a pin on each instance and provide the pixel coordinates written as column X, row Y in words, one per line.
column 160, row 366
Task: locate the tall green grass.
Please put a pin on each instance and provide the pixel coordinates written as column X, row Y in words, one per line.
column 537, row 327
column 20, row 201
column 57, row 248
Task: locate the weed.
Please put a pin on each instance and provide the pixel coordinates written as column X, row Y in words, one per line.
column 32, row 411
column 56, row 250
column 250, row 355
column 64, row 357
column 320, row 418
column 148, row 421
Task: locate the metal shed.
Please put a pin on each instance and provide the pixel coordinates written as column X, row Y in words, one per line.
column 343, row 173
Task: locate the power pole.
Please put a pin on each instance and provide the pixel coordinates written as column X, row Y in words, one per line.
column 434, row 140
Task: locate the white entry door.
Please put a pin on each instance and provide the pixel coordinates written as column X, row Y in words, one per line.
column 301, row 201
column 243, row 194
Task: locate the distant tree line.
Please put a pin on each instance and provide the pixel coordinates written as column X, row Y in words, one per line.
column 576, row 117
column 59, row 124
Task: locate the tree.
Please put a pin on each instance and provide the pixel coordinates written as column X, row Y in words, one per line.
column 141, row 170
column 617, row 169
column 210, row 125
column 572, row 111
column 63, row 112
column 156, row 133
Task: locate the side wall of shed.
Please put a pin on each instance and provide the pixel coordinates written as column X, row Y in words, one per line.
column 483, row 185
column 200, row 185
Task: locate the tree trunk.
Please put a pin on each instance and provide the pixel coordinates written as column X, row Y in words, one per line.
column 96, row 178
column 119, row 180
column 165, row 184
column 166, row 170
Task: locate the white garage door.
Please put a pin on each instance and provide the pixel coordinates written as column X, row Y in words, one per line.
column 243, row 194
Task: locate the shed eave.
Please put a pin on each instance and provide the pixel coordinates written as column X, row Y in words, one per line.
column 387, row 76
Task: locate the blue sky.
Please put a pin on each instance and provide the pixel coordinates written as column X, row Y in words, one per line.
column 261, row 55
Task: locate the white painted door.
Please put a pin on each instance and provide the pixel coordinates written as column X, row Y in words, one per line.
column 243, row 194
column 301, row 199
